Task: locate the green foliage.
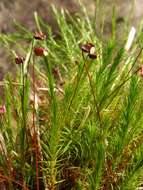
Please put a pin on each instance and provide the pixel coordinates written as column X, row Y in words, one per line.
column 72, row 122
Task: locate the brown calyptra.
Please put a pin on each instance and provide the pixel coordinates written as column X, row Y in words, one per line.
column 19, row 60
column 90, row 49
column 86, row 47
column 40, row 51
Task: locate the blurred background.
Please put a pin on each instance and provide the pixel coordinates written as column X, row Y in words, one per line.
column 22, row 11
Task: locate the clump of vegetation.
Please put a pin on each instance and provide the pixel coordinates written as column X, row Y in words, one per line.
column 72, row 117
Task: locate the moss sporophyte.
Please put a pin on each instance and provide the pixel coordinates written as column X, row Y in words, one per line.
column 40, row 51
column 19, row 60
column 80, row 135
column 89, row 48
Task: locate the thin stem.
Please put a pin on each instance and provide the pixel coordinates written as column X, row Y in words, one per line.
column 92, row 90
column 27, row 62
column 35, row 132
column 23, row 95
column 23, row 123
column 77, row 84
